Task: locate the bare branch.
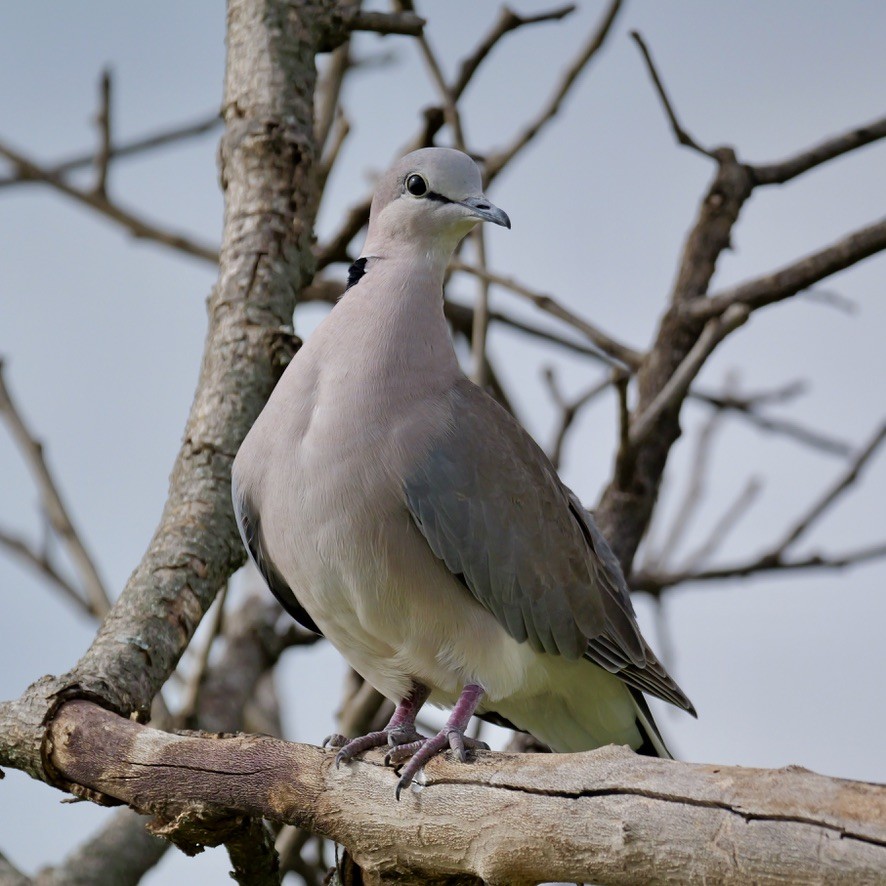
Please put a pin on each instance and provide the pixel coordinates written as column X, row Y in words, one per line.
column 507, row 21
column 345, row 19
column 515, row 799
column 692, row 496
column 682, row 136
column 569, row 410
column 829, row 149
column 146, row 143
column 722, row 527
column 747, row 406
column 18, row 547
column 656, row 582
column 843, row 484
column 138, row 227
column 624, row 355
column 191, row 691
column 121, row 852
column 797, row 276
column 497, row 161
column 253, row 857
column 678, row 384
column 103, row 121
column 94, row 590
column 329, row 290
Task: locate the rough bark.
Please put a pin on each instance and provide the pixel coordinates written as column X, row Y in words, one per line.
column 266, row 173
column 606, row 816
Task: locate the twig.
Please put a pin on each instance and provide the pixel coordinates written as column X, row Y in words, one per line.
column 328, row 93
column 797, row 276
column 335, row 249
column 724, row 525
column 103, row 121
column 678, row 384
column 656, row 582
column 746, row 406
column 610, row 346
column 692, row 497
column 842, row 484
column 343, row 20
column 507, row 21
column 569, row 410
column 130, row 149
column 191, row 692
column 785, row 170
column 93, row 587
column 499, row 160
column 329, row 290
column 139, row 228
column 682, row 136
column 18, row 547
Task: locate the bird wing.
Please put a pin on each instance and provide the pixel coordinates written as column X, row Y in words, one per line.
column 249, row 524
column 492, row 508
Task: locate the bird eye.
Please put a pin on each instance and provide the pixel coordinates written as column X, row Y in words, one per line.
column 416, row 185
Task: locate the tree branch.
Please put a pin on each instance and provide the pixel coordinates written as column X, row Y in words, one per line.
column 843, row 483
column 507, row 21
column 568, row 813
column 119, row 854
column 340, row 22
column 797, row 276
column 498, row 160
column 138, row 227
column 94, row 591
column 682, row 136
column 654, row 582
column 624, row 355
column 137, row 146
column 829, row 149
column 672, row 393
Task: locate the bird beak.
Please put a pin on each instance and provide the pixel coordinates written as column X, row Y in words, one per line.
column 486, row 211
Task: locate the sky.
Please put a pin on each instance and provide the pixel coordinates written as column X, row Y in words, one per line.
column 101, row 335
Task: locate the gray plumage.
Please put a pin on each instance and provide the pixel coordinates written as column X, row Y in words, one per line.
column 396, row 508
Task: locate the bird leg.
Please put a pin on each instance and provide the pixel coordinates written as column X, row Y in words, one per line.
column 400, row 729
column 452, row 735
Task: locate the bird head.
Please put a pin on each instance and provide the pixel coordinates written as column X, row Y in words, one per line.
column 429, row 199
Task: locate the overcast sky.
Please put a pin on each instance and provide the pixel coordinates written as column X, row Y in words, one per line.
column 102, row 335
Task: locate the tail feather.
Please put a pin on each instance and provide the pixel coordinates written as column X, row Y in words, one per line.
column 653, row 744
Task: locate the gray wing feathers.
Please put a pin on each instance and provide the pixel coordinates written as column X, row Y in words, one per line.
column 492, row 508
column 249, row 524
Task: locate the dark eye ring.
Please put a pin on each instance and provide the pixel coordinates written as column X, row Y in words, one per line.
column 416, row 185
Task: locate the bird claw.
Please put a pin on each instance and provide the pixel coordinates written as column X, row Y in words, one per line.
column 350, row 748
column 423, row 750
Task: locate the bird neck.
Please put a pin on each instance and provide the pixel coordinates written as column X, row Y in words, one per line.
column 392, row 317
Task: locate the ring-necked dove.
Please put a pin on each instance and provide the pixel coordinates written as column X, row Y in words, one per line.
column 396, row 508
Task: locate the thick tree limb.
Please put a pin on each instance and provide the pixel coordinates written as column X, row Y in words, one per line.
column 606, row 816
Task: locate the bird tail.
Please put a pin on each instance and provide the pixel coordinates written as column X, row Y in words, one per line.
column 653, row 744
